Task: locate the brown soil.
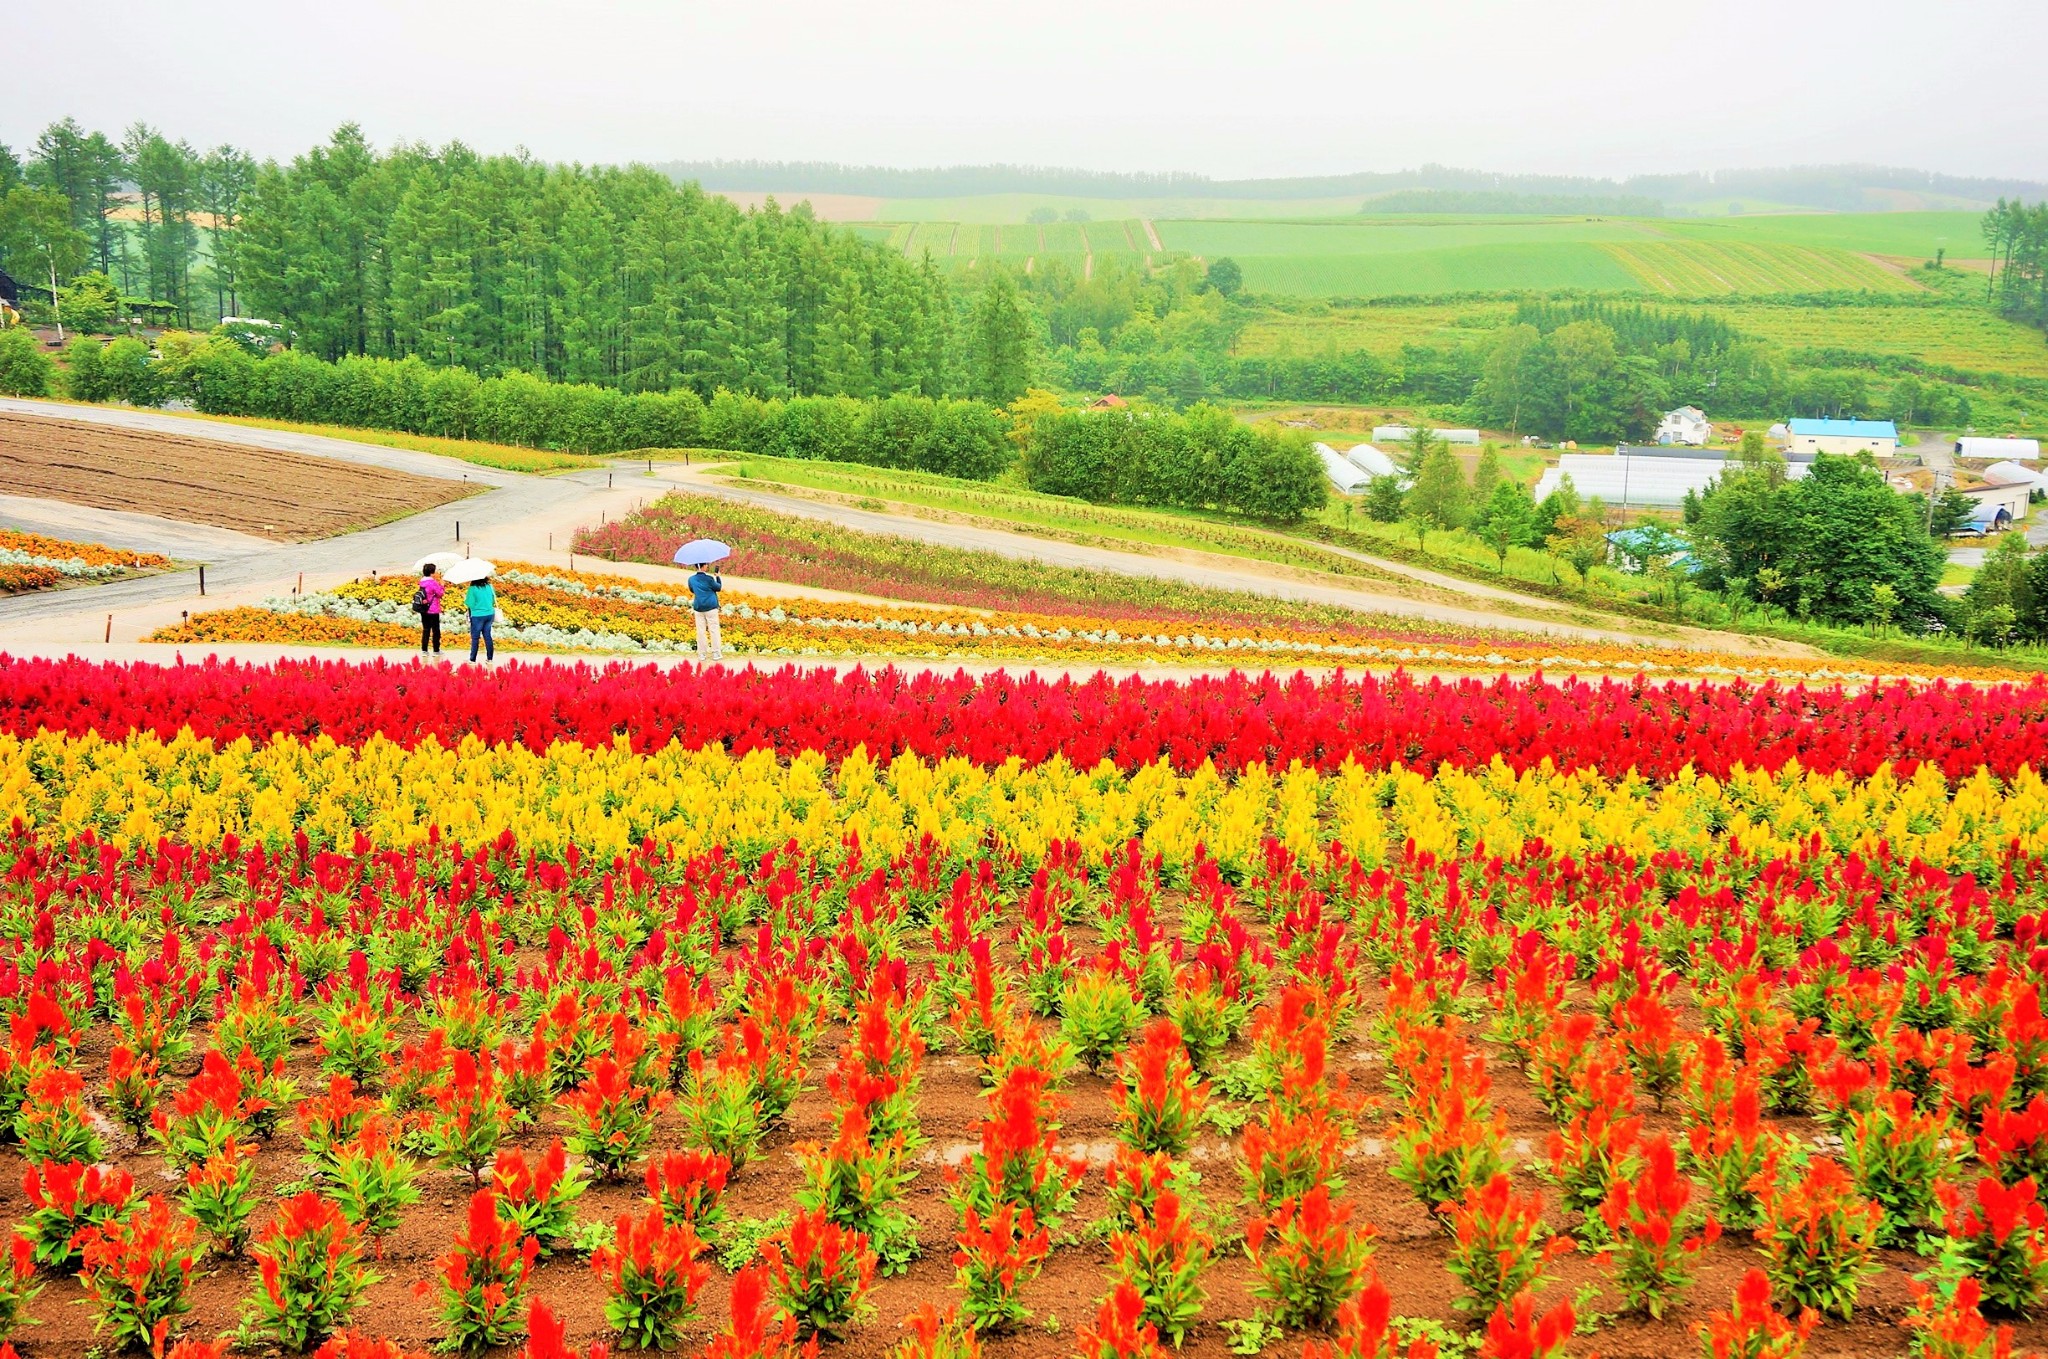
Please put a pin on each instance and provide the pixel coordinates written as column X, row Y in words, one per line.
column 286, row 496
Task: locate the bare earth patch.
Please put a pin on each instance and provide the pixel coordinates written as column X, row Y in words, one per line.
column 284, row 496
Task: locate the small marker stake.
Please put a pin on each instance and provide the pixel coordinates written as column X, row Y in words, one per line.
column 110, row 627
column 202, row 578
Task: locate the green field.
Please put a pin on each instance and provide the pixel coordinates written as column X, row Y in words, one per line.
column 1377, row 257
column 1958, row 335
column 1016, row 207
column 958, row 245
column 1408, row 255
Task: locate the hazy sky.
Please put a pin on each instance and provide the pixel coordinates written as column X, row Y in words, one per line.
column 1245, row 88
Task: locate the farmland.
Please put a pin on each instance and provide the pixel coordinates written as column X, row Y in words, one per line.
column 1410, row 255
column 1913, row 236
column 262, row 492
column 958, row 245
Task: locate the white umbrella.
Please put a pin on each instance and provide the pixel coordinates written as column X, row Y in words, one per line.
column 467, row 569
column 440, row 561
column 702, row 552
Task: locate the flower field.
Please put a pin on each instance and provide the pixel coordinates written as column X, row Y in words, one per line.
column 549, row 609
column 556, row 1011
column 30, row 561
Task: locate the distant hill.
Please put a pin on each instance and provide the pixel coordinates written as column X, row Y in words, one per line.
column 1841, row 188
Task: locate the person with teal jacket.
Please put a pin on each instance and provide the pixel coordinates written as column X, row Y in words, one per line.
column 482, row 602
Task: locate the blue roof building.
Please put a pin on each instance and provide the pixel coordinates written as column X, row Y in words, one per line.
column 1842, row 436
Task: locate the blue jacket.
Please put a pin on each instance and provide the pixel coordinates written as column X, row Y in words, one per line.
column 704, row 588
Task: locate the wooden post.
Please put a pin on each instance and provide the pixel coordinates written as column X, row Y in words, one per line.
column 202, row 579
column 184, row 615
column 607, row 481
column 458, row 530
column 302, row 584
column 110, row 627
column 551, row 540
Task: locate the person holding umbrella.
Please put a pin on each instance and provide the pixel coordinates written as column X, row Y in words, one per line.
column 479, row 599
column 482, row 602
column 704, row 587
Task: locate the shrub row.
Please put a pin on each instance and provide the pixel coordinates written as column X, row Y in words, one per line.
column 1199, row 460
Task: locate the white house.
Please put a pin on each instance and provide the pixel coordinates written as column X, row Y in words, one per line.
column 1396, row 434
column 1371, row 461
column 1345, row 476
column 1688, row 426
column 1843, row 436
column 2024, row 450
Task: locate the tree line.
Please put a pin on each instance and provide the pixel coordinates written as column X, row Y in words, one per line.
column 2019, row 255
column 613, row 277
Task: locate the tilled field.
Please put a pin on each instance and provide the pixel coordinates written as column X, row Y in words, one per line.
column 285, row 496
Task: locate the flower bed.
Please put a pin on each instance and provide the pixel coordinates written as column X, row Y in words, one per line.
column 546, row 609
column 565, row 1007
column 1231, row 721
column 30, row 561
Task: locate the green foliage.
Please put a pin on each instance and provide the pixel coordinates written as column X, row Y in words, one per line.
column 1203, row 458
column 1001, row 339
column 88, row 303
column 25, row 370
column 1384, row 501
column 1438, row 497
column 1827, row 541
column 1506, row 519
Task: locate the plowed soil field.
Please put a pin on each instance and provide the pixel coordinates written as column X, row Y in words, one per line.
column 286, row 496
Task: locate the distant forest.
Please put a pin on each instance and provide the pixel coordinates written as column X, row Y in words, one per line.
column 1837, row 187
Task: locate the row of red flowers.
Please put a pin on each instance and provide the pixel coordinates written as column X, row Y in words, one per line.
column 1235, row 720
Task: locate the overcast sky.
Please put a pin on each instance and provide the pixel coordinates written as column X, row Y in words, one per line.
column 1243, row 88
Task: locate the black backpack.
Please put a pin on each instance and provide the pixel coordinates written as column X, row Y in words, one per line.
column 419, row 600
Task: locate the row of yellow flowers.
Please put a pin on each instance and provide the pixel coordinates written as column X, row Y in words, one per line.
column 607, row 799
column 549, row 609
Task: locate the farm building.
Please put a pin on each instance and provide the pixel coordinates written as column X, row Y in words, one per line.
column 1371, row 461
column 1394, row 434
column 1639, row 476
column 1998, row 505
column 1111, row 402
column 1342, row 474
column 1685, row 426
column 2024, row 450
column 2005, row 473
column 1843, row 436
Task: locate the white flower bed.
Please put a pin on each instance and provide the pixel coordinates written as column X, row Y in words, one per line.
column 75, row 567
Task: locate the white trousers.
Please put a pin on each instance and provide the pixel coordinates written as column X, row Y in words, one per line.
column 707, row 636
